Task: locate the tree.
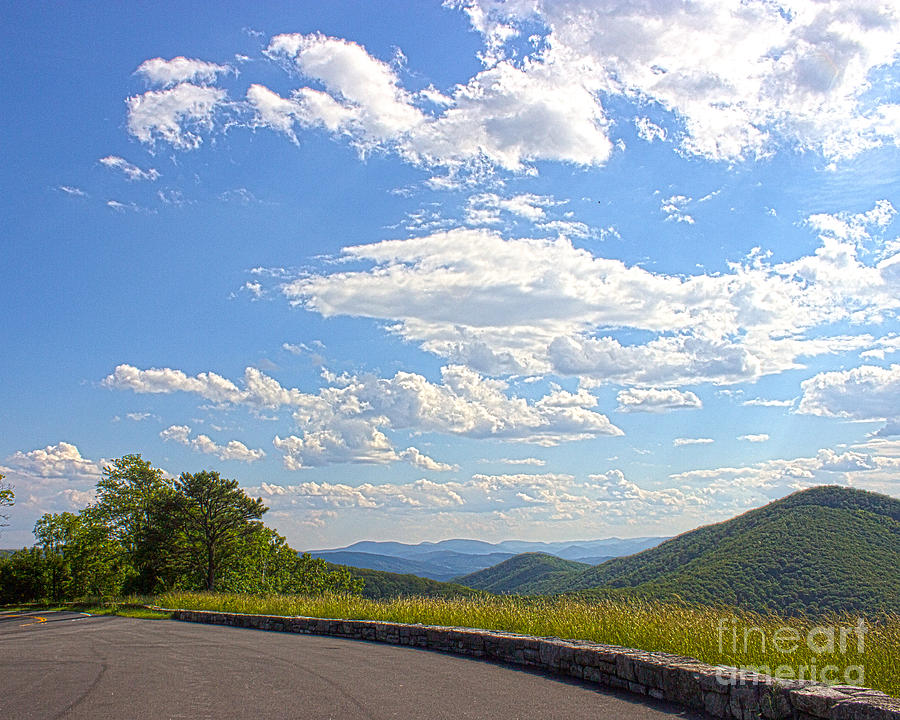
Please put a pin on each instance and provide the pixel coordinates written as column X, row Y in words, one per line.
column 7, row 496
column 23, row 577
column 267, row 564
column 79, row 556
column 215, row 519
column 133, row 503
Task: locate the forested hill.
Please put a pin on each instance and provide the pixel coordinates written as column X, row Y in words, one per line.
column 824, row 549
column 380, row 585
column 523, row 574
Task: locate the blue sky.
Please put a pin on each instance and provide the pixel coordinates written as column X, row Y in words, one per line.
column 413, row 271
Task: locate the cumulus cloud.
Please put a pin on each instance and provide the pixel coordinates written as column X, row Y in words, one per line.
column 177, row 115
column 516, row 461
column 342, row 423
column 62, row 460
column 168, row 73
column 347, row 419
column 727, row 81
column 532, row 306
column 55, row 478
column 656, row 400
column 130, row 170
column 674, row 206
column 873, row 467
column 232, row 450
column 183, row 108
column 527, row 497
column 864, row 393
column 682, row 441
column 757, row 438
column 486, row 208
column 507, row 115
column 763, row 402
column 258, row 390
column 648, row 130
column 737, row 78
column 418, row 459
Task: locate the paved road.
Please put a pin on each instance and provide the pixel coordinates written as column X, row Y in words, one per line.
column 69, row 665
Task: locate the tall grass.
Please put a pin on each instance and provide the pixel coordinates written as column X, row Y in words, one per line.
column 787, row 647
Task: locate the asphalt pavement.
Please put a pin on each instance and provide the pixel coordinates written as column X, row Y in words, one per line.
column 72, row 665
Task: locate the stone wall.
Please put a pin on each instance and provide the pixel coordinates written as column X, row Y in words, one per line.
column 718, row 691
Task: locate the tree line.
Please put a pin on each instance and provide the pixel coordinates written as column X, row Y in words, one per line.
column 147, row 533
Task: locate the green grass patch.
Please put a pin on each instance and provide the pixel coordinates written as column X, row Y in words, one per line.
column 133, row 607
column 833, row 649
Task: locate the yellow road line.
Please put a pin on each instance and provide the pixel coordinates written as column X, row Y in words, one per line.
column 37, row 619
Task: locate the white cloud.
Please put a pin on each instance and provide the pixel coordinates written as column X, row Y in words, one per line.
column 525, row 497
column 165, row 380
column 254, row 288
column 344, row 422
column 873, row 466
column 139, row 416
column 674, row 206
column 726, row 81
column 532, row 306
column 122, row 207
column 648, row 130
column 62, row 460
column 867, row 392
column 367, row 88
column 738, row 78
column 73, row 191
column 232, row 450
column 259, row 389
column 762, row 402
column 176, row 115
column 172, row 196
column 516, row 461
column 486, row 208
column 168, row 73
column 656, row 400
column 131, row 171
column 567, row 228
column 506, row 115
column 418, row 459
column 56, row 478
column 759, row 438
column 680, row 442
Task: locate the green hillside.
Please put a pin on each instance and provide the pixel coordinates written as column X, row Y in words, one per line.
column 382, row 585
column 523, row 573
column 824, row 549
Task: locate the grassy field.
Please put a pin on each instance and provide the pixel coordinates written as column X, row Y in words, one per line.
column 836, row 650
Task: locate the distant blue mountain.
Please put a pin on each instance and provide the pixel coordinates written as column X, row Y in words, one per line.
column 437, row 565
column 452, row 558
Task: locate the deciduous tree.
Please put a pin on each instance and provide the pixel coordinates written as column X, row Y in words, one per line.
column 215, row 518
column 133, row 503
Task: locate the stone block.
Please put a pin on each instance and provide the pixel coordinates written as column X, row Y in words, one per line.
column 648, row 672
column 865, row 707
column 637, row 688
column 815, row 700
column 743, row 702
column 625, row 667
column 715, row 704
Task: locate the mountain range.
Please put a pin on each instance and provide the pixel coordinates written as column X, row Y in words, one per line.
column 822, row 550
column 449, row 559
